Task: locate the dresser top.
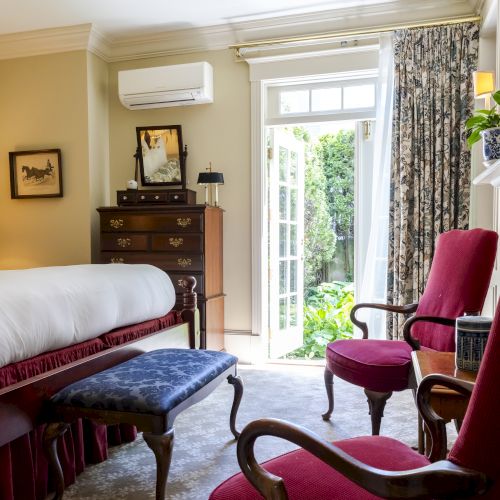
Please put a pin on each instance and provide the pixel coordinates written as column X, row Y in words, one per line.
column 158, row 208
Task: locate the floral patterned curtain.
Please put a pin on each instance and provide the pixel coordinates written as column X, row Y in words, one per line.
column 430, row 178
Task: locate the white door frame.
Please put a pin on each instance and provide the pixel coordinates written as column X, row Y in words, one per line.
column 259, row 219
column 258, row 105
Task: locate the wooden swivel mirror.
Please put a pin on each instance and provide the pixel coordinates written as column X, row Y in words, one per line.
column 161, row 157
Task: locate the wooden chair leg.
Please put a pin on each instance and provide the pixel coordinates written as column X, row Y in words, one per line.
column 50, row 436
column 376, row 404
column 237, row 383
column 161, row 445
column 328, row 375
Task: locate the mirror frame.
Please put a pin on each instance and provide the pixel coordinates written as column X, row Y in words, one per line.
column 178, row 154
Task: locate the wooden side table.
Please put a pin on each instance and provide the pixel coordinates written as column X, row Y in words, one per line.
column 448, row 404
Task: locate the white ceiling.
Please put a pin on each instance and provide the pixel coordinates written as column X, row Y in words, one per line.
column 124, row 18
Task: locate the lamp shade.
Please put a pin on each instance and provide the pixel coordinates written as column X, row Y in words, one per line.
column 210, row 178
column 484, row 83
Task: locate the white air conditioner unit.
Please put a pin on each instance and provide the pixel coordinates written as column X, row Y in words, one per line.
column 162, row 86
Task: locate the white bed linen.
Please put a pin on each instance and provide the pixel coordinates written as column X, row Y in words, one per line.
column 48, row 308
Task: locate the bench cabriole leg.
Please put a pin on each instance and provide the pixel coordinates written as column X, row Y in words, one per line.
column 237, row 383
column 50, row 435
column 162, row 445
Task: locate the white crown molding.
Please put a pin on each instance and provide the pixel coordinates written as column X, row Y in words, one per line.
column 221, row 36
column 170, row 43
column 54, row 40
column 98, row 44
column 46, row 41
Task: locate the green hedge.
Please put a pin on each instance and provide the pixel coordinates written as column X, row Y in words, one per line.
column 326, row 318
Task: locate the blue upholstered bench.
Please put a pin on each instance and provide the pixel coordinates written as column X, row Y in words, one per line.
column 147, row 391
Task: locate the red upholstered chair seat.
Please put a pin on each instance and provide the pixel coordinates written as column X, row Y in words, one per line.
column 306, row 476
column 377, row 365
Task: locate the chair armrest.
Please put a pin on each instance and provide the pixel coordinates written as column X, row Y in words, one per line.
column 414, row 343
column 441, row 479
column 435, row 424
column 407, row 309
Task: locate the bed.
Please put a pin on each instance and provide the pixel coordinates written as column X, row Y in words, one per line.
column 96, row 316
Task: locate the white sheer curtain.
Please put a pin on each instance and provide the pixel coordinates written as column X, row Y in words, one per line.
column 374, row 279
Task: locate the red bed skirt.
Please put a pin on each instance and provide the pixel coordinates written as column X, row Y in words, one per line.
column 23, row 467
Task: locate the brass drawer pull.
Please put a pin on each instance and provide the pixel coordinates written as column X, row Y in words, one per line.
column 176, row 242
column 184, row 221
column 117, row 260
column 116, row 223
column 184, row 262
column 124, row 242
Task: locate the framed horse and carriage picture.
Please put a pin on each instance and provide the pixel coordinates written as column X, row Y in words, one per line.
column 35, row 174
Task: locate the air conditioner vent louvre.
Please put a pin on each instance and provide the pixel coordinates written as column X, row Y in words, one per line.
column 158, row 103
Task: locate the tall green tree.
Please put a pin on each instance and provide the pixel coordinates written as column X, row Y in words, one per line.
column 319, row 237
column 335, row 152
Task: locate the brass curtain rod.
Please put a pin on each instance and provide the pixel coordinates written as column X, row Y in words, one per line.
column 348, row 33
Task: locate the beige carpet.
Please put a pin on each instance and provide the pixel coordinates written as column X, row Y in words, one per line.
column 204, row 452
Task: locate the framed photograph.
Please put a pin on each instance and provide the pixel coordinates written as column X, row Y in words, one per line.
column 161, row 159
column 35, row 174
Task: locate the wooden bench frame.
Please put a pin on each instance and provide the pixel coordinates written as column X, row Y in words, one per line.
column 158, row 430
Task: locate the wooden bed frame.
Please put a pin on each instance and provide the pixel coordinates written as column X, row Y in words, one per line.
column 22, row 405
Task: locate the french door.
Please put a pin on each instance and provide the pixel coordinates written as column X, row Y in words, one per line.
column 286, row 241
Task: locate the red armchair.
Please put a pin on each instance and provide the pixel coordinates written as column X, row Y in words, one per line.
column 457, row 284
column 375, row 466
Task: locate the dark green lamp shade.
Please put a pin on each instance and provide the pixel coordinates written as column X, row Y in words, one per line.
column 210, row 178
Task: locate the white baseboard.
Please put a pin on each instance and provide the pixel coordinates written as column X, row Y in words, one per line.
column 246, row 346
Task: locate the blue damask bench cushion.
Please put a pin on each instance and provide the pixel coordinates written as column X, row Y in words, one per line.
column 154, row 382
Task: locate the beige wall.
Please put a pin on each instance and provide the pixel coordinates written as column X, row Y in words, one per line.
column 218, row 132
column 43, row 104
column 70, row 101
column 98, row 133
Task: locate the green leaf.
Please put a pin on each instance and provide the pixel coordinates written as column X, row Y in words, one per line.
column 474, row 137
column 473, row 120
column 496, row 96
column 482, row 111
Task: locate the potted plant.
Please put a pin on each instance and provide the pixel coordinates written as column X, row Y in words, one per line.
column 485, row 123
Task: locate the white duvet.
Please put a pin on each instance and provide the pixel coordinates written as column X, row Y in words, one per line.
column 51, row 307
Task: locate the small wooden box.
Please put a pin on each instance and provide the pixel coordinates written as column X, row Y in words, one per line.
column 156, row 197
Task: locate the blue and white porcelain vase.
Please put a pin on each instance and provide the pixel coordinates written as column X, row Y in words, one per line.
column 491, row 143
column 471, row 335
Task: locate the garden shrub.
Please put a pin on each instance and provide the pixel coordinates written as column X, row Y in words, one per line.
column 326, row 318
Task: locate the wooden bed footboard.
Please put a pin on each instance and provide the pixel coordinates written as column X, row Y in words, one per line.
column 22, row 404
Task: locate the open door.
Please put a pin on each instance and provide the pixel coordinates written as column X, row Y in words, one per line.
column 286, row 241
column 365, row 131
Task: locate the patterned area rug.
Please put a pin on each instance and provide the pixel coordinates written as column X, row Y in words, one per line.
column 204, row 452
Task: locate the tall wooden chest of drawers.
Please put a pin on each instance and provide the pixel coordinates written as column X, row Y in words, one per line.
column 181, row 240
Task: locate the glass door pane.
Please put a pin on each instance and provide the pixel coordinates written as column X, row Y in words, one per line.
column 286, row 231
